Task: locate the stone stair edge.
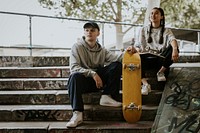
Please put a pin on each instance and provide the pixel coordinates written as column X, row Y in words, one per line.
column 32, row 92
column 176, row 64
column 66, row 107
column 33, row 67
column 57, row 92
column 86, row 125
column 186, row 64
column 60, row 97
column 35, row 79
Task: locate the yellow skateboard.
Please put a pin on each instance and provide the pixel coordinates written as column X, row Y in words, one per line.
column 131, row 87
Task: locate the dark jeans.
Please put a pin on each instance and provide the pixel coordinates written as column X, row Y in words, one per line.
column 78, row 84
column 155, row 62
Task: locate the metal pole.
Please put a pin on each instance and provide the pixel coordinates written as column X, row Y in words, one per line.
column 30, row 34
column 102, row 34
column 198, row 42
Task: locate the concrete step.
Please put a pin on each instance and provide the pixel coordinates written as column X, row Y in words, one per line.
column 38, row 61
column 43, row 83
column 189, row 57
column 33, row 83
column 187, row 65
column 35, row 72
column 33, row 61
column 51, row 83
column 85, row 127
column 64, row 113
column 44, row 72
column 37, row 97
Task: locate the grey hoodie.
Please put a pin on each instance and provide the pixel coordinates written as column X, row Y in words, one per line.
column 85, row 60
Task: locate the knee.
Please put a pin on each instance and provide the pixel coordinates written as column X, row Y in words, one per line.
column 75, row 76
column 118, row 67
column 74, row 79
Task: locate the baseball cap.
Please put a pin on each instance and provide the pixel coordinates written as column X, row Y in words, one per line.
column 91, row 24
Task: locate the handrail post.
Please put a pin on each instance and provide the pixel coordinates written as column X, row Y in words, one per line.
column 30, row 34
column 198, row 41
column 103, row 34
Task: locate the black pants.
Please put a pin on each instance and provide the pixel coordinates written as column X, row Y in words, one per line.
column 78, row 84
column 154, row 62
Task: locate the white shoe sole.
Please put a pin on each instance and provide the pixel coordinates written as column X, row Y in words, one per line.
column 110, row 105
column 72, row 126
column 164, row 79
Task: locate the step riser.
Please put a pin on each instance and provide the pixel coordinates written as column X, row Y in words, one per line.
column 64, row 115
column 34, row 73
column 76, row 131
column 85, row 127
column 44, row 99
column 47, row 72
column 102, row 131
column 28, row 61
column 36, row 84
column 17, row 130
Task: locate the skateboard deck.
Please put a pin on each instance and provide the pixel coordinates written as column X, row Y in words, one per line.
column 131, row 87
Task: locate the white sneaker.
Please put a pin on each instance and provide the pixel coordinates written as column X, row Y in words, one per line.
column 76, row 119
column 161, row 76
column 106, row 100
column 146, row 89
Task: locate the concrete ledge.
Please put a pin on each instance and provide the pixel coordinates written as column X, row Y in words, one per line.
column 185, row 65
column 180, row 101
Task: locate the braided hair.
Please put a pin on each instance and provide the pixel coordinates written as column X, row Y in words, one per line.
column 162, row 24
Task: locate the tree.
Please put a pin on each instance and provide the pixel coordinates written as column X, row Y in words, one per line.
column 131, row 11
column 184, row 13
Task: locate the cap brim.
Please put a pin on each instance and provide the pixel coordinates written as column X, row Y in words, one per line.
column 91, row 24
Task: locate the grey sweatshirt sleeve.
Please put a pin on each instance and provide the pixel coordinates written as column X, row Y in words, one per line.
column 112, row 57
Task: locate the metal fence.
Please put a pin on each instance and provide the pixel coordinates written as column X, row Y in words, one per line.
column 39, row 35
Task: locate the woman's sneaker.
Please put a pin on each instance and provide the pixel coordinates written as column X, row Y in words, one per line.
column 161, row 76
column 76, row 119
column 146, row 89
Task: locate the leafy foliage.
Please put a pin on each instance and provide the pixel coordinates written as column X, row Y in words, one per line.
column 182, row 13
column 130, row 11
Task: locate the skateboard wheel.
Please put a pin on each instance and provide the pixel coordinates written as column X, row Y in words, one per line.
column 124, row 107
column 138, row 66
column 124, row 66
column 139, row 107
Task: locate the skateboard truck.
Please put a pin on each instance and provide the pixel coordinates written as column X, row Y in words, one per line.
column 132, row 106
column 131, row 67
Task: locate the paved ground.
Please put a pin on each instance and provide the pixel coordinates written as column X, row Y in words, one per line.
column 179, row 110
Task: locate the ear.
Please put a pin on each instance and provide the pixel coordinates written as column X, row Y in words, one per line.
column 98, row 33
